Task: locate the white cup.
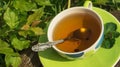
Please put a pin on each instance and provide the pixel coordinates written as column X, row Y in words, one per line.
column 71, row 11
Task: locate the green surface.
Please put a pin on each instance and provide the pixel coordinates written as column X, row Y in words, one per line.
column 102, row 58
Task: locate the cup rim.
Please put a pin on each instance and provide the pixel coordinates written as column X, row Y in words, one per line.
column 87, row 49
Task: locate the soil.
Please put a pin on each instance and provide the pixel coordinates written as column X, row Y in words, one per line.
column 116, row 14
column 31, row 59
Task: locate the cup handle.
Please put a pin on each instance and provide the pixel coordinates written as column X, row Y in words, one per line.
column 88, row 4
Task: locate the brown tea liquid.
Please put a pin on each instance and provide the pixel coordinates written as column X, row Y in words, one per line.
column 71, row 23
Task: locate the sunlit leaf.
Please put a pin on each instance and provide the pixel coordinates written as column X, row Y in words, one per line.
column 11, row 18
column 13, row 61
column 3, row 44
column 43, row 2
column 5, row 49
column 37, row 30
column 35, row 16
column 35, row 23
column 25, row 33
column 24, row 5
column 20, row 44
column 25, row 27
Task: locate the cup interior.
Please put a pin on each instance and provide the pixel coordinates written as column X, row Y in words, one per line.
column 71, row 19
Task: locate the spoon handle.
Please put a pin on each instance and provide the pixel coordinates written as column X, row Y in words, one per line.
column 44, row 46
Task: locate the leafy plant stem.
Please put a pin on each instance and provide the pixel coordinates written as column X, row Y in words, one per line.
column 69, row 3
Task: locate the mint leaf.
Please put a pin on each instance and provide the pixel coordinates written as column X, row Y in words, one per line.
column 110, row 35
column 20, row 44
column 11, row 18
column 43, row 2
column 5, row 49
column 24, row 5
column 43, row 38
column 25, row 33
column 37, row 30
column 3, row 44
column 13, row 61
column 35, row 16
column 109, row 27
column 106, row 44
column 8, row 51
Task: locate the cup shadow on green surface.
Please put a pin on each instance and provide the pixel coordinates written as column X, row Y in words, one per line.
column 52, row 55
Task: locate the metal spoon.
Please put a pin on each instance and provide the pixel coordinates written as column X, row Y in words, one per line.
column 78, row 34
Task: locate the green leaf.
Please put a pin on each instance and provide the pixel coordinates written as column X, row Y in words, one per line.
column 110, row 34
column 4, row 31
column 103, row 2
column 116, row 34
column 117, row 1
column 3, row 44
column 24, row 5
column 109, row 27
column 20, row 44
column 5, row 49
column 35, row 16
column 23, row 33
column 43, row 2
column 11, row 18
column 37, row 30
column 22, row 18
column 13, row 61
column 106, row 44
column 43, row 38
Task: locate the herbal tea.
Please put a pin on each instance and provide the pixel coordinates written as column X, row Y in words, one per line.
column 71, row 23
